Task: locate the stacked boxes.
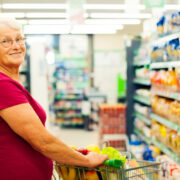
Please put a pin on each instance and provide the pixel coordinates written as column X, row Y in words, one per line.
column 112, row 121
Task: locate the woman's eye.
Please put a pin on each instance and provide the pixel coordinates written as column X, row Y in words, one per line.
column 4, row 41
column 18, row 39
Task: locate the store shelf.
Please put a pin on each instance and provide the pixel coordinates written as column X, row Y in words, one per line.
column 142, row 81
column 167, row 151
column 68, row 98
column 165, row 122
column 165, row 93
column 72, row 125
column 142, row 99
column 161, row 146
column 67, row 109
column 69, row 116
column 141, row 63
column 167, row 64
column 142, row 118
column 23, row 72
column 166, row 38
column 142, row 136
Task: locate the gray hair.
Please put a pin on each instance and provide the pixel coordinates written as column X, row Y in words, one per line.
column 9, row 21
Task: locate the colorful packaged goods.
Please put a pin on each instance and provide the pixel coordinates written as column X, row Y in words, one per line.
column 165, row 79
column 168, row 23
column 112, row 119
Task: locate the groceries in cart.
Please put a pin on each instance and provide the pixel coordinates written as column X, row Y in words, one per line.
column 117, row 167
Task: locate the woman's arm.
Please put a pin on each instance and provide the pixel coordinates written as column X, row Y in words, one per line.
column 23, row 121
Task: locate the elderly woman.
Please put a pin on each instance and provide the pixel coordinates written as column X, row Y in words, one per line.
column 26, row 147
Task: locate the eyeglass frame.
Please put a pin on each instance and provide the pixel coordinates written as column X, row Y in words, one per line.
column 12, row 41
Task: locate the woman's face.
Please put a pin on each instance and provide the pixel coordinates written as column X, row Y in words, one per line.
column 12, row 55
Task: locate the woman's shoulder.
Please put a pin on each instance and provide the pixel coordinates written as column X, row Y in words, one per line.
column 7, row 82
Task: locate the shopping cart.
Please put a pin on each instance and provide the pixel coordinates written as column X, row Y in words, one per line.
column 111, row 170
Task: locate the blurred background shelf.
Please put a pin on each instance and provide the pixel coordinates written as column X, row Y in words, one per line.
column 161, row 146
column 142, row 99
column 165, row 122
column 142, row 81
column 142, row 118
column 165, row 64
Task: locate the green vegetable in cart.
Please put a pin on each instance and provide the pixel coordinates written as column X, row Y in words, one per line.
column 113, row 154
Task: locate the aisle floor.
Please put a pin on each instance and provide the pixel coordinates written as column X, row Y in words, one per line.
column 77, row 137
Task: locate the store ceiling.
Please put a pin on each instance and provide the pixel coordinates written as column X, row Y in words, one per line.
column 116, row 2
column 89, row 12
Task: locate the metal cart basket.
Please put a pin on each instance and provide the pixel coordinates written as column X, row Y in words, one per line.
column 143, row 171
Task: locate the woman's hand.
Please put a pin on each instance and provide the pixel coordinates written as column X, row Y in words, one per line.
column 95, row 159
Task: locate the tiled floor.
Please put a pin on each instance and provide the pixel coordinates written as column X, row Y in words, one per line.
column 77, row 137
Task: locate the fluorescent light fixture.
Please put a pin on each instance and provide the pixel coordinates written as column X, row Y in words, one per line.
column 112, row 21
column 89, row 29
column 45, row 29
column 172, row 7
column 87, row 21
column 110, row 6
column 15, row 15
column 105, row 6
column 95, row 31
column 121, row 15
column 50, row 22
column 64, row 6
column 65, row 29
column 46, row 15
column 49, row 15
column 33, row 6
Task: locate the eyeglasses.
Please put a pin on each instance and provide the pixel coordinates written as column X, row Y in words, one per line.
column 9, row 43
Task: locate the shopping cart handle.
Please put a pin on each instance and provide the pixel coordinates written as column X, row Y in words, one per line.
column 113, row 163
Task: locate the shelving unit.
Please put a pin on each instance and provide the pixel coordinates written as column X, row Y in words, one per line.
column 25, row 72
column 165, row 93
column 142, row 118
column 161, row 91
column 142, row 81
column 166, row 38
column 142, row 99
column 71, row 80
column 165, row 64
column 141, row 63
column 130, row 51
column 165, row 122
column 161, row 146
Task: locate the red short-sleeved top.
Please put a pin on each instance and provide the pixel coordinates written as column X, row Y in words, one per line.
column 18, row 160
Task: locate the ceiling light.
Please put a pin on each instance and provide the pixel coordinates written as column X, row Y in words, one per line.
column 49, row 15
column 87, row 29
column 65, row 29
column 95, row 31
column 121, row 15
column 45, row 29
column 87, row 21
column 16, row 15
column 110, row 6
column 46, row 15
column 112, row 21
column 64, row 6
column 33, row 6
column 50, row 22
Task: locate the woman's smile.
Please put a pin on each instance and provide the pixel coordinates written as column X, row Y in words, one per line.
column 15, row 54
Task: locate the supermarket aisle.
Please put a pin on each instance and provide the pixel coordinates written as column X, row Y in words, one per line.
column 77, row 137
